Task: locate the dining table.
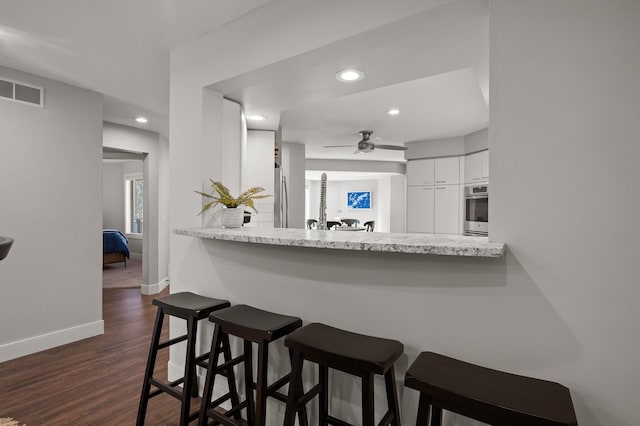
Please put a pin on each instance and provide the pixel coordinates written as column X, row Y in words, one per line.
column 349, row 228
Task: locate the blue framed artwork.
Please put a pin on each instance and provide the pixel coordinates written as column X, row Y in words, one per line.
column 359, row 199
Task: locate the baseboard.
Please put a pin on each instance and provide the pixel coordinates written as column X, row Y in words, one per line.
column 43, row 342
column 156, row 288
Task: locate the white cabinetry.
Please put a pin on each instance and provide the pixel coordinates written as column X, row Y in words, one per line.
column 420, row 209
column 433, row 195
column 447, row 209
column 476, row 167
column 420, row 172
column 447, row 171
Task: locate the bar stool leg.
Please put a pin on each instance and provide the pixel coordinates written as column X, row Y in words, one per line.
column 303, row 419
column 368, row 410
column 323, row 408
column 294, row 391
column 231, row 378
column 189, row 371
column 392, row 396
column 248, row 382
column 436, row 416
column 261, row 384
column 423, row 410
column 211, row 374
column 151, row 362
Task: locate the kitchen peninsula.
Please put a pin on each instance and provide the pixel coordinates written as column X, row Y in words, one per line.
column 414, row 288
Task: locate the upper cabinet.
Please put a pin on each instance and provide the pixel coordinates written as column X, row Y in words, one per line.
column 476, row 167
column 420, row 172
column 438, row 171
column 447, row 171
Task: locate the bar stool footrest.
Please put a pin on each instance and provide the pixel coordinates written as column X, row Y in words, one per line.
column 165, row 386
column 223, row 418
column 173, row 341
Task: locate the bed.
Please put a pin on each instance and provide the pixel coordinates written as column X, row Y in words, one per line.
column 114, row 247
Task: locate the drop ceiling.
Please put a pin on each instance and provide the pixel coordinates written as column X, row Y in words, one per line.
column 432, row 65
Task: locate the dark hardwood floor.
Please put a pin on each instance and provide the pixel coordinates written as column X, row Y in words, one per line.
column 94, row 381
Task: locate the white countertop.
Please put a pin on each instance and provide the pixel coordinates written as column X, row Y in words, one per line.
column 449, row 245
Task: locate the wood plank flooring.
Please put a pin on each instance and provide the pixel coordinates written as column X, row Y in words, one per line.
column 94, row 381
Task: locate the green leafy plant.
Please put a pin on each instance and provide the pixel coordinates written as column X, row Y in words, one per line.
column 220, row 194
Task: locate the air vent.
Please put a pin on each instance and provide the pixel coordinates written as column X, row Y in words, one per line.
column 21, row 92
column 6, row 89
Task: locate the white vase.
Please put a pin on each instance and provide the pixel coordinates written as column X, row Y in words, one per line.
column 232, row 217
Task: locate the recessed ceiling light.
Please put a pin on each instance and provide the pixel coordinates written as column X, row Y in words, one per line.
column 350, row 75
column 393, row 111
column 141, row 120
column 256, row 117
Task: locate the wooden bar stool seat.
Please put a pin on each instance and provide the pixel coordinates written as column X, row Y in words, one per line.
column 192, row 308
column 253, row 325
column 356, row 354
column 490, row 396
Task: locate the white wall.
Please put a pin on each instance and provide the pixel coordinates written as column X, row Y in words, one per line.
column 562, row 303
column 445, row 147
column 565, row 102
column 112, row 196
column 155, row 271
column 435, row 148
column 337, row 201
column 51, row 192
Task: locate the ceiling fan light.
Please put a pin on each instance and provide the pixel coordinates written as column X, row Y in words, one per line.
column 393, row 111
column 256, row 117
column 350, row 75
column 142, row 120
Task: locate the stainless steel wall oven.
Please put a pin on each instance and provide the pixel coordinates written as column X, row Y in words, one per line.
column 476, row 210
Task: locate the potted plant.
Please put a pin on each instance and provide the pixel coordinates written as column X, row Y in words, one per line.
column 232, row 216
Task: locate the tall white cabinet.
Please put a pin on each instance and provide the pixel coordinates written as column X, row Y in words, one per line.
column 433, row 195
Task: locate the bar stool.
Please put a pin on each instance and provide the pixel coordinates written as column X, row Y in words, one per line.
column 253, row 326
column 487, row 395
column 192, row 308
column 356, row 354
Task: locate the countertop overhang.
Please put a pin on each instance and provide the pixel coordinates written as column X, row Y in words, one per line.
column 446, row 245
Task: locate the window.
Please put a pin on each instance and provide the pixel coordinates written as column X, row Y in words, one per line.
column 133, row 196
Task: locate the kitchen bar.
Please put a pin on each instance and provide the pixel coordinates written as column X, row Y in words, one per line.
column 337, row 279
column 451, row 245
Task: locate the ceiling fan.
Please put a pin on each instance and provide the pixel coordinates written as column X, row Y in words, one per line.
column 365, row 144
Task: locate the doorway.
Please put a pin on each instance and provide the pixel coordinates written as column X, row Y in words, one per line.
column 125, row 207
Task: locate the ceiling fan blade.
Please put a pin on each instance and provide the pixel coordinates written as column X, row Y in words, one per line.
column 338, row 146
column 357, row 151
column 392, row 147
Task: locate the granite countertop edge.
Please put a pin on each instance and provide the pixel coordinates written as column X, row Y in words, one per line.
column 411, row 243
